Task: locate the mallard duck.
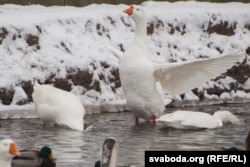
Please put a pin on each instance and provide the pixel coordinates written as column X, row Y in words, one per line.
column 183, row 119
column 139, row 75
column 247, row 145
column 34, row 158
column 247, row 141
column 8, row 150
column 58, row 106
column 231, row 149
column 109, row 154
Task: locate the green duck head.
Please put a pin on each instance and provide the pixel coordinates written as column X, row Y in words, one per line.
column 98, row 164
column 232, row 149
column 46, row 153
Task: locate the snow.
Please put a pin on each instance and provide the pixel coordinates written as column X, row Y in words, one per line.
column 19, row 95
column 63, row 39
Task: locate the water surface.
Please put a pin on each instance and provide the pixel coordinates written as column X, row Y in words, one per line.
column 78, row 149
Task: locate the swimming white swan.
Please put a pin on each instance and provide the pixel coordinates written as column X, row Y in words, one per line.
column 139, row 75
column 182, row 119
column 8, row 150
column 59, row 106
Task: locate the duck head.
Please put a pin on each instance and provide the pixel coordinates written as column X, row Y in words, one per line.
column 135, row 12
column 46, row 152
column 98, row 164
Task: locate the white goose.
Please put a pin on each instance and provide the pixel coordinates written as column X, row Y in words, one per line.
column 8, row 150
column 58, row 106
column 182, row 119
column 109, row 154
column 139, row 75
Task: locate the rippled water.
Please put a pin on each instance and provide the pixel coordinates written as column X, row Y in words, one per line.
column 73, row 148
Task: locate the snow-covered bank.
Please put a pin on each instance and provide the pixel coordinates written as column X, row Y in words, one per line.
column 56, row 45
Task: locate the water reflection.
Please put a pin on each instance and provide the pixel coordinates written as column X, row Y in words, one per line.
column 73, row 148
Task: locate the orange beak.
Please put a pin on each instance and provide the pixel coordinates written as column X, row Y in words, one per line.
column 13, row 150
column 129, row 11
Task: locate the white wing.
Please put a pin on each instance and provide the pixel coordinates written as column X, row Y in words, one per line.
column 108, row 46
column 180, row 77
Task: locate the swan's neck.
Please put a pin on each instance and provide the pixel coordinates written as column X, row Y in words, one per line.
column 139, row 45
column 226, row 117
column 113, row 157
column 5, row 162
column 141, row 28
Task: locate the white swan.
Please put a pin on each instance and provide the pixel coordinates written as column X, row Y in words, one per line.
column 8, row 150
column 182, row 119
column 109, row 154
column 139, row 75
column 59, row 106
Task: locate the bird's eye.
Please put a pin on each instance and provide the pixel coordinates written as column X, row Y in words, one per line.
column 137, row 9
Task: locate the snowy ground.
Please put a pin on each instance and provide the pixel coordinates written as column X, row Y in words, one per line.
column 48, row 44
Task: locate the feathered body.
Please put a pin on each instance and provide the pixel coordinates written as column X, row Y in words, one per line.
column 183, row 119
column 139, row 75
column 34, row 158
column 59, row 106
